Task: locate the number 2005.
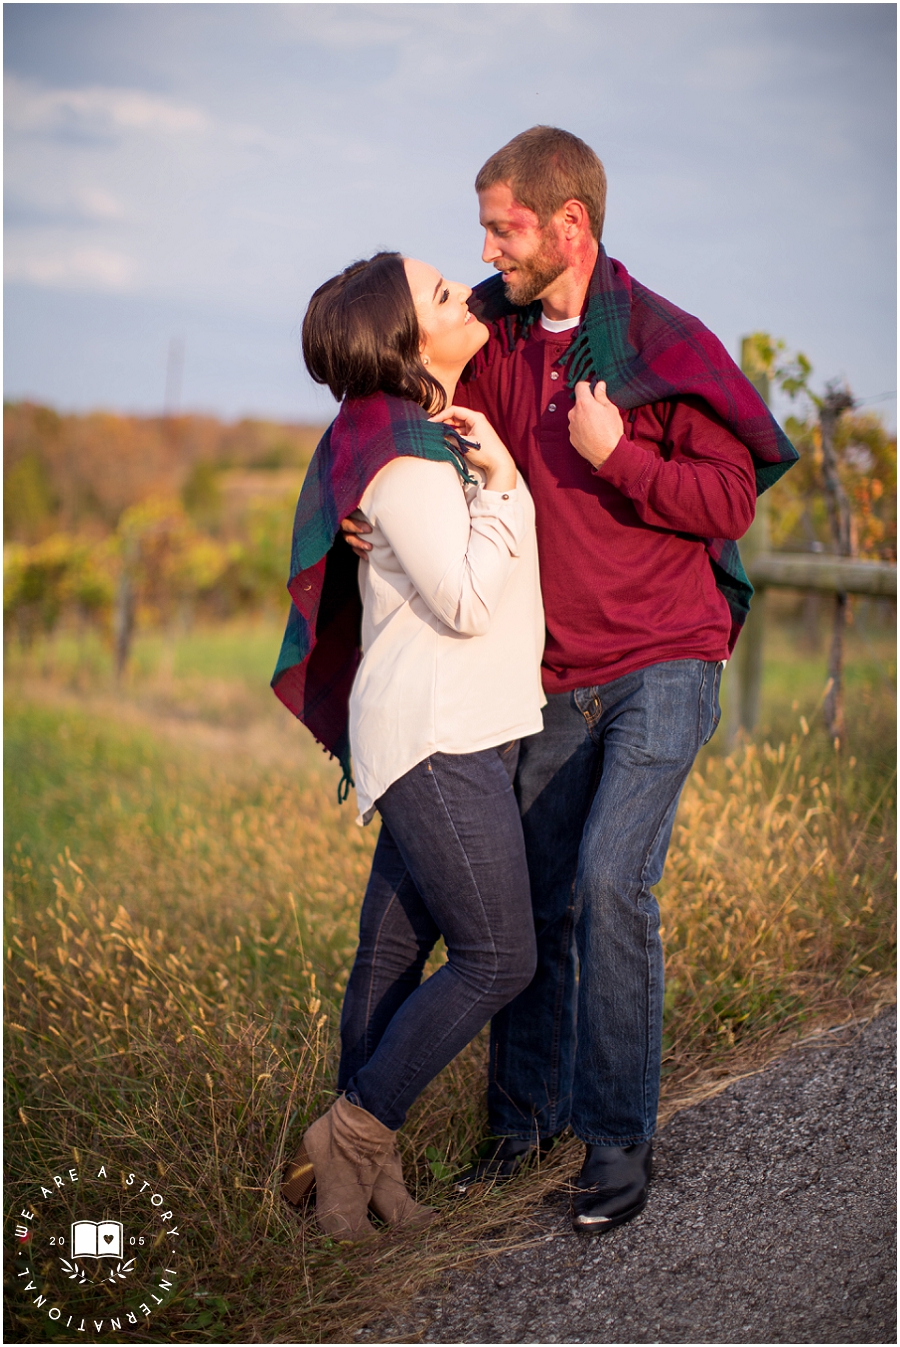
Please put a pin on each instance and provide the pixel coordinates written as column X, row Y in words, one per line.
column 60, row 1240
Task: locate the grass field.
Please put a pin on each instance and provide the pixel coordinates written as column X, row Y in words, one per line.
column 182, row 893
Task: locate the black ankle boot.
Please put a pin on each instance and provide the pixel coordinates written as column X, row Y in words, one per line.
column 612, row 1186
column 502, row 1158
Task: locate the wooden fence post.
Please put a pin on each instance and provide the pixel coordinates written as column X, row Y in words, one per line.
column 744, row 672
column 836, row 401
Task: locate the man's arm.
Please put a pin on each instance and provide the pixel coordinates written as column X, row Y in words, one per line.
column 705, row 486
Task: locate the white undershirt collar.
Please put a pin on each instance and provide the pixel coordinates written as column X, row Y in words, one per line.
column 559, row 324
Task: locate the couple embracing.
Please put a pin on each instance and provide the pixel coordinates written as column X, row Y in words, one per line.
column 545, row 478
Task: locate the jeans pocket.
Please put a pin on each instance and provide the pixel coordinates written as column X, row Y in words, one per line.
column 509, row 756
column 712, row 713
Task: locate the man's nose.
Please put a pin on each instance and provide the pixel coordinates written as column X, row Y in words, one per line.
column 490, row 252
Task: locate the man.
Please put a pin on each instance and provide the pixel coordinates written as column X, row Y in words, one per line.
column 644, row 594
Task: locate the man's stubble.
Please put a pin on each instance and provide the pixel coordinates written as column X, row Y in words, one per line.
column 531, row 278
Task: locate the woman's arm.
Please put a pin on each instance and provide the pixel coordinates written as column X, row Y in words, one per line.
column 458, row 557
column 487, row 452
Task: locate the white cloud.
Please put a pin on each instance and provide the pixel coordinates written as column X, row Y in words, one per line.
column 353, row 25
column 30, row 108
column 69, row 268
column 97, row 204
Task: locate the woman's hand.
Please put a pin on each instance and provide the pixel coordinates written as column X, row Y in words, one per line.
column 491, row 455
column 595, row 425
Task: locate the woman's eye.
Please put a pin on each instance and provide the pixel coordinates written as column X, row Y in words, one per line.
column 445, row 295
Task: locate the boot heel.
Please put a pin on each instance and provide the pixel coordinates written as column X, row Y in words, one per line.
column 299, row 1177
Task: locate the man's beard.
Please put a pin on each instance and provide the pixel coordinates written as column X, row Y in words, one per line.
column 531, row 278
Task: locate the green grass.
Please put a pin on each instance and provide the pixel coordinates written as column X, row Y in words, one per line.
column 243, row 650
column 89, row 782
column 794, row 674
column 182, row 896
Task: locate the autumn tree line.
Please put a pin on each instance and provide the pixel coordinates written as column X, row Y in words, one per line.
column 124, row 523
column 186, row 517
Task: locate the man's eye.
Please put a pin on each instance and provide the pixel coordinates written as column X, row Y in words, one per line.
column 445, row 295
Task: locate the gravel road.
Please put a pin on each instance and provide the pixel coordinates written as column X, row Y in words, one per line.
column 771, row 1220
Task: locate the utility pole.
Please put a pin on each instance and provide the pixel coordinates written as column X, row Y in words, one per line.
column 174, row 376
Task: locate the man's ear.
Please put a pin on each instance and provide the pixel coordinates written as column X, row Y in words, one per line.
column 573, row 218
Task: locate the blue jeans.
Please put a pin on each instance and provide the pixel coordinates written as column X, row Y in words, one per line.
column 598, row 790
column 450, row 861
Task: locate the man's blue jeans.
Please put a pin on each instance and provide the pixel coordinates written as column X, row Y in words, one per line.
column 598, row 790
column 450, row 861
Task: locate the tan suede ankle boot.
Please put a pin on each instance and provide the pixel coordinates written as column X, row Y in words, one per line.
column 346, row 1165
column 354, row 1161
column 391, row 1201
column 299, row 1176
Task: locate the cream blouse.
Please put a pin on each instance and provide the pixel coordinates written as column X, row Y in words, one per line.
column 453, row 625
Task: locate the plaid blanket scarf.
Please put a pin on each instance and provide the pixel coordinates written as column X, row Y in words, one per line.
column 648, row 350
column 320, row 650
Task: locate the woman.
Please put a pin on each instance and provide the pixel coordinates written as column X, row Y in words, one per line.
column 452, row 632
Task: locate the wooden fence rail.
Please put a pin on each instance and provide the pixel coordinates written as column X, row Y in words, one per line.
column 789, row 570
column 807, row 570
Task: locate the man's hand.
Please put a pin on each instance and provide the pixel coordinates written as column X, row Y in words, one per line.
column 595, row 426
column 352, row 528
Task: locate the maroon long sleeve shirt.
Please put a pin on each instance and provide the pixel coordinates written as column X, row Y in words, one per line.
column 625, row 576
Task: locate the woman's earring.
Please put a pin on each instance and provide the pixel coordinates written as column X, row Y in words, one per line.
column 426, row 360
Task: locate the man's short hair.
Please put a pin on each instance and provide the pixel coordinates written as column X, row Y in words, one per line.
column 544, row 168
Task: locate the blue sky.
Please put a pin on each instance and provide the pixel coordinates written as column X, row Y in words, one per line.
column 193, row 172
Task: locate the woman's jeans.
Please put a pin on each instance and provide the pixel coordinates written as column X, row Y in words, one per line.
column 598, row 790
column 450, row 861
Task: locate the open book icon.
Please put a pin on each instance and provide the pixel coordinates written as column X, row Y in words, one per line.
column 97, row 1239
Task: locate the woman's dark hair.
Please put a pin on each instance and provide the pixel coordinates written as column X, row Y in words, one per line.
column 361, row 335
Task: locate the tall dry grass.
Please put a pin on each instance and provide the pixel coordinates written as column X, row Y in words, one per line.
column 179, row 930
column 778, row 895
